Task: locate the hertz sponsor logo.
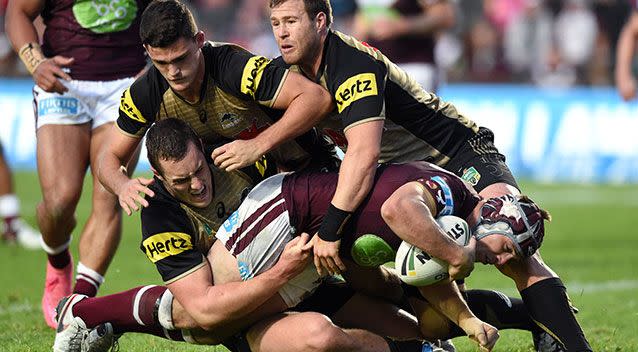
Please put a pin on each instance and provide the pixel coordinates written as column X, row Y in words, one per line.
column 354, row 88
column 126, row 105
column 166, row 244
column 252, row 74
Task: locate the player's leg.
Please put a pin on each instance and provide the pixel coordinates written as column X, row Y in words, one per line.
column 62, row 155
column 12, row 228
column 538, row 285
column 310, row 332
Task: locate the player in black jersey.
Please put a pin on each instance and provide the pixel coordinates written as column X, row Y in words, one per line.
column 221, row 90
column 382, row 115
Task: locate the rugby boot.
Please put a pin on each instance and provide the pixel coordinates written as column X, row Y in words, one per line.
column 544, row 342
column 100, row 339
column 57, row 284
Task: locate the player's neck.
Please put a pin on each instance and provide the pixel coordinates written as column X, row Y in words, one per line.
column 313, row 64
column 194, row 93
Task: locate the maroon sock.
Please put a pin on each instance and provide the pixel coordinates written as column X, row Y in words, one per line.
column 128, row 311
column 9, row 234
column 60, row 260
column 85, row 286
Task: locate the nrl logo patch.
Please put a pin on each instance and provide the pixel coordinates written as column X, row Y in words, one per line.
column 471, row 176
column 229, row 120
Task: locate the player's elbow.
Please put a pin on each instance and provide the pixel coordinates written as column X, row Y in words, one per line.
column 210, row 322
column 392, row 209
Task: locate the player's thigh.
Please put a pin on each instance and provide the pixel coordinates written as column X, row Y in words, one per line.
column 292, row 332
column 62, row 158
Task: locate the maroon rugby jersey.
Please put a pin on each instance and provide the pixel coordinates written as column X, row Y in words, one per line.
column 308, row 195
column 102, row 36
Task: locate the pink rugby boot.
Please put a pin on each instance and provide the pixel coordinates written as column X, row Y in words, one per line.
column 57, row 285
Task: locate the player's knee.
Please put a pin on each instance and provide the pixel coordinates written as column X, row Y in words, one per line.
column 60, row 203
column 322, row 335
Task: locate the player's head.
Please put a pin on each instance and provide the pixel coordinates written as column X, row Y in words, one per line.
column 169, row 33
column 299, row 26
column 519, row 224
column 177, row 159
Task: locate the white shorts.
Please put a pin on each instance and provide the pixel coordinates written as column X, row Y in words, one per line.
column 86, row 101
column 257, row 233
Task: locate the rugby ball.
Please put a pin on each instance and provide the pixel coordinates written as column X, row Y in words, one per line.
column 417, row 268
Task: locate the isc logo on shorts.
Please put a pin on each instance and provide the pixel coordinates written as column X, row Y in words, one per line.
column 58, row 105
column 252, row 74
column 354, row 88
column 166, row 244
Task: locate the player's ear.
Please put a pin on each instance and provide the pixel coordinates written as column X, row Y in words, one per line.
column 320, row 21
column 200, row 39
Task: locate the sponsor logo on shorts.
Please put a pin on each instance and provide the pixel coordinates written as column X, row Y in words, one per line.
column 471, row 176
column 444, row 196
column 231, row 223
column 58, row 105
column 166, row 244
column 355, row 88
column 128, row 107
column 252, row 74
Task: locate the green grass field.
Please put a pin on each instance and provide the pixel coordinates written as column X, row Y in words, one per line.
column 592, row 243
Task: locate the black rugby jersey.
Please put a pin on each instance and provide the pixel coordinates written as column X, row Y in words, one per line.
column 177, row 237
column 367, row 86
column 238, row 89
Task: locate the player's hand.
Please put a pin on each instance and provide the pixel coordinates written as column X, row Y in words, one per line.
column 465, row 264
column 627, row 87
column 47, row 74
column 485, row 334
column 295, row 257
column 326, row 256
column 236, row 154
column 132, row 193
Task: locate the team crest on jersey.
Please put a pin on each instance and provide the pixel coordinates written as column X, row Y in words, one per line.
column 355, row 88
column 471, row 176
column 229, row 120
column 166, row 244
column 251, row 76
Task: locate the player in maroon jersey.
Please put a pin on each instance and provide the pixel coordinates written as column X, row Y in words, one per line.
column 90, row 52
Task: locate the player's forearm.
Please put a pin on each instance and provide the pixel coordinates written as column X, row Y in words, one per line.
column 233, row 301
column 626, row 48
column 111, row 172
column 446, row 298
column 304, row 112
column 19, row 26
column 356, row 177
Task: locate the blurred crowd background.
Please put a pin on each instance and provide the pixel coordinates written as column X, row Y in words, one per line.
column 558, row 43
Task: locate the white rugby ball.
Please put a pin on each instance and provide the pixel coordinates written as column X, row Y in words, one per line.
column 417, row 268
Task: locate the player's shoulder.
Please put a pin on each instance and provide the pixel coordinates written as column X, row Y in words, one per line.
column 164, row 213
column 150, row 84
column 351, row 52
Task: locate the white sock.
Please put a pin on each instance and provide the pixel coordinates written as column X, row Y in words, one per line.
column 89, row 275
column 56, row 250
column 165, row 311
column 9, row 206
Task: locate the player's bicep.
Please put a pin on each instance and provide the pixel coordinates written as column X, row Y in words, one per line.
column 122, row 145
column 29, row 8
column 294, row 85
column 190, row 289
column 365, row 135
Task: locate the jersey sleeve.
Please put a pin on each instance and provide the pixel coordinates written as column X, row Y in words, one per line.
column 248, row 76
column 169, row 240
column 140, row 103
column 358, row 88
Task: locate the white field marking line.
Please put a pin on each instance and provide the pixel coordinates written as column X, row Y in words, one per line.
column 573, row 288
column 585, row 197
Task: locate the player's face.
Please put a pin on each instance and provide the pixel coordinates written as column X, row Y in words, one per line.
column 180, row 63
column 495, row 249
column 189, row 180
column 297, row 35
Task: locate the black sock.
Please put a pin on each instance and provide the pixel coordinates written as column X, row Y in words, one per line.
column 549, row 306
column 404, row 346
column 497, row 309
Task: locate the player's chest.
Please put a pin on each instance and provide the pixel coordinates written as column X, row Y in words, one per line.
column 218, row 115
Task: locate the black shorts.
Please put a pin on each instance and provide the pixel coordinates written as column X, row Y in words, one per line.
column 480, row 164
column 327, row 299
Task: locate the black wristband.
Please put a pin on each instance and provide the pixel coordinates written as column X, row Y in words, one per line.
column 333, row 223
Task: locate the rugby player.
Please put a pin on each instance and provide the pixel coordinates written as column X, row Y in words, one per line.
column 221, row 90
column 382, row 115
column 177, row 229
column 625, row 79
column 84, row 63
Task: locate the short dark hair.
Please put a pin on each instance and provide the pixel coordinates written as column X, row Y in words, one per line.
column 313, row 7
column 168, row 140
column 164, row 22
